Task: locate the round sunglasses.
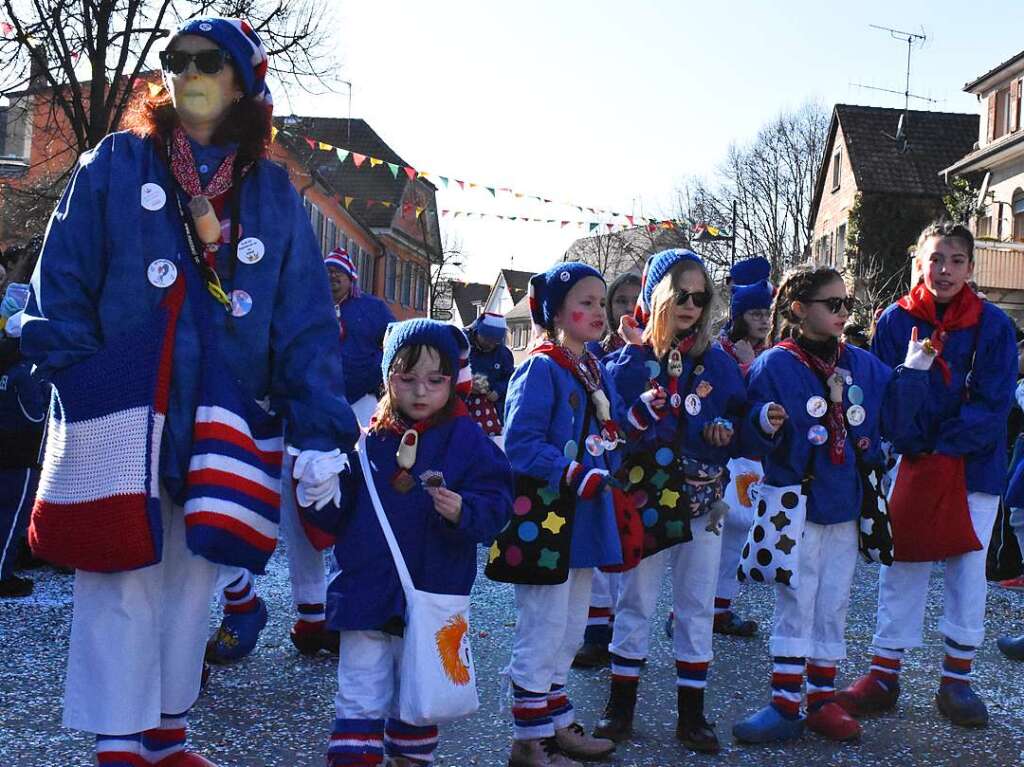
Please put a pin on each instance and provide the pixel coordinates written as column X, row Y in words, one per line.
column 700, row 298
column 834, row 304
column 209, row 62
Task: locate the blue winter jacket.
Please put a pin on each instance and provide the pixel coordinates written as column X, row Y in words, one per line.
column 497, row 365
column 441, row 556
column 544, row 416
column 91, row 284
column 363, row 321
column 633, row 367
column 889, row 401
column 948, row 423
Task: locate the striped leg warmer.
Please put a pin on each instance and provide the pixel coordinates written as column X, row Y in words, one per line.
column 625, row 669
column 120, row 751
column 356, row 742
column 787, row 681
column 599, row 629
column 530, row 714
column 956, row 666
column 885, row 667
column 560, row 707
column 722, row 606
column 411, row 742
column 239, row 595
column 162, row 743
column 821, row 683
column 692, row 674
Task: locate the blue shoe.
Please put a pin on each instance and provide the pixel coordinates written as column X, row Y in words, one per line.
column 767, row 726
column 1012, row 647
column 237, row 635
column 961, row 705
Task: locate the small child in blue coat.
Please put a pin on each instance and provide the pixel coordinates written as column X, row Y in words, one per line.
column 690, row 412
column 558, row 390
column 444, row 494
column 839, row 400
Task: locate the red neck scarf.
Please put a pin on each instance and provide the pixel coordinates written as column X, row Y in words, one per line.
column 183, row 166
column 964, row 311
column 587, row 370
column 400, row 425
column 825, row 369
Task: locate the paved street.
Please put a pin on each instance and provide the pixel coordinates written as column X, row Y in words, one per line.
column 274, row 709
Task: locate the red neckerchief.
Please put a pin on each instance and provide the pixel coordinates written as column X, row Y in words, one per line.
column 729, row 347
column 964, row 311
column 587, row 370
column 400, row 426
column 824, row 369
column 183, row 166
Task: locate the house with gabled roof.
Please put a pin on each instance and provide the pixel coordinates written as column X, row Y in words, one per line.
column 468, row 301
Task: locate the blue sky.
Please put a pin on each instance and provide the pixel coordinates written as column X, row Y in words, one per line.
column 613, row 104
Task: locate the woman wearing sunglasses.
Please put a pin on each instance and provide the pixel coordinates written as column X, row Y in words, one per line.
column 184, row 210
column 690, row 414
column 839, row 400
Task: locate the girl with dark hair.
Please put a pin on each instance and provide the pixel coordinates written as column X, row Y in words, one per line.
column 180, row 287
column 839, row 400
column 958, row 452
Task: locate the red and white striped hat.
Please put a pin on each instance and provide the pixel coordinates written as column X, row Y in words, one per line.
column 339, row 259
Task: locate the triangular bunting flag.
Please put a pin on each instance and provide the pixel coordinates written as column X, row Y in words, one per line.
column 564, row 224
column 386, row 204
column 323, row 147
column 630, row 220
column 358, row 159
column 348, row 201
column 342, row 154
column 154, row 90
column 374, row 162
column 457, row 214
column 419, row 212
column 311, row 142
column 273, row 131
column 444, row 181
column 491, row 190
column 444, row 213
column 609, row 226
column 593, row 226
column 410, row 172
column 462, row 184
column 393, row 167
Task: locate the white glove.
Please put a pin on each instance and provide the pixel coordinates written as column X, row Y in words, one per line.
column 920, row 354
column 766, row 425
column 1020, row 394
column 317, row 472
column 13, row 326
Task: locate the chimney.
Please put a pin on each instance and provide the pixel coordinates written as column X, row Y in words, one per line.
column 38, row 67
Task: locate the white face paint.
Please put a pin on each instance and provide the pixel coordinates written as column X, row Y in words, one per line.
column 201, row 99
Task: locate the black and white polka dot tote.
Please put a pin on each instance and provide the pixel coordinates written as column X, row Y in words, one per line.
column 772, row 550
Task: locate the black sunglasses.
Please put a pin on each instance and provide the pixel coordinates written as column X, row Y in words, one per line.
column 834, row 304
column 700, row 298
column 209, row 62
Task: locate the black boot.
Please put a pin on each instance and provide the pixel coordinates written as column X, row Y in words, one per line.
column 692, row 728
column 617, row 722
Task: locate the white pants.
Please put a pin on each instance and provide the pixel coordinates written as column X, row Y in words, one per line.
column 305, row 563
column 903, row 590
column 604, row 592
column 368, row 681
column 810, row 620
column 138, row 638
column 694, row 578
column 735, row 527
column 550, row 623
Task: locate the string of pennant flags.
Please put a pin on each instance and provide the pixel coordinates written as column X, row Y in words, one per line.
column 360, row 161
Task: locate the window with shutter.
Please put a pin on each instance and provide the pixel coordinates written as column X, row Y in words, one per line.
column 837, row 169
column 390, row 267
column 990, row 127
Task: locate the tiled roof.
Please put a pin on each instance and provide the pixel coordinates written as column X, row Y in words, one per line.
column 995, row 70
column 464, row 294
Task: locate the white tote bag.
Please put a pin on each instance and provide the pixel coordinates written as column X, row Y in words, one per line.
column 437, row 682
column 772, row 551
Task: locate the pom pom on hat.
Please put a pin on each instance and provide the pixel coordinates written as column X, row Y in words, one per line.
column 240, row 41
column 747, row 297
column 750, row 270
column 656, row 269
column 548, row 290
column 339, row 259
column 490, row 325
column 449, row 341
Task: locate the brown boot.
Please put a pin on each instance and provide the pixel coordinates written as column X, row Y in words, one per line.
column 574, row 742
column 538, row 752
column 692, row 728
column 617, row 722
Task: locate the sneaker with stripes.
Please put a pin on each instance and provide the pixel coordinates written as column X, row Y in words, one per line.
column 787, row 684
column 356, row 743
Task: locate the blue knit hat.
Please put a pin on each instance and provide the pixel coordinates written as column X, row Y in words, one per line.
column 747, row 297
column 655, row 270
column 548, row 290
column 449, row 341
column 750, row 270
column 240, row 41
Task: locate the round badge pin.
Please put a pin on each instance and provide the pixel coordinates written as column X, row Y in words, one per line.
column 863, row 443
column 856, row 395
column 855, row 415
column 693, row 406
column 595, row 445
column 675, row 400
column 817, row 435
column 162, row 273
column 569, row 449
column 153, row 196
column 251, row 250
column 653, row 369
column 241, row 303
column 816, row 407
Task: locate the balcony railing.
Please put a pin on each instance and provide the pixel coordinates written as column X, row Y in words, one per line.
column 999, row 265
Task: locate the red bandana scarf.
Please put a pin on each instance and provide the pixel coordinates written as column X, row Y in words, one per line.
column 587, row 370
column 825, row 369
column 964, row 311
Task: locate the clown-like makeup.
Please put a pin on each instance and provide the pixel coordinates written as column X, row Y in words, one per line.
column 582, row 316
column 201, row 100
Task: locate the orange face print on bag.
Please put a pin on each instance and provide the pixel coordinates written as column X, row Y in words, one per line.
column 743, row 483
column 453, row 647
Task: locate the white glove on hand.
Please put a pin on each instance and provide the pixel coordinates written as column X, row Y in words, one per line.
column 317, row 472
column 920, row 354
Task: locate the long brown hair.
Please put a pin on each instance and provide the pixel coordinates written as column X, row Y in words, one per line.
column 387, row 416
column 660, row 331
column 798, row 284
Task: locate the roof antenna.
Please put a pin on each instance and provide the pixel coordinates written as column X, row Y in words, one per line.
column 902, row 137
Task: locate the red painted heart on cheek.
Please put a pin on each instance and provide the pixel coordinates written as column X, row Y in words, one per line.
column 577, row 316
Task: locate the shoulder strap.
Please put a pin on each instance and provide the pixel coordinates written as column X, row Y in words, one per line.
column 385, row 526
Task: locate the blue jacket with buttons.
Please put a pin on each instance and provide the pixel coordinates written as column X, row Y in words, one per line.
column 496, row 364
column 363, row 320
column 91, row 284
